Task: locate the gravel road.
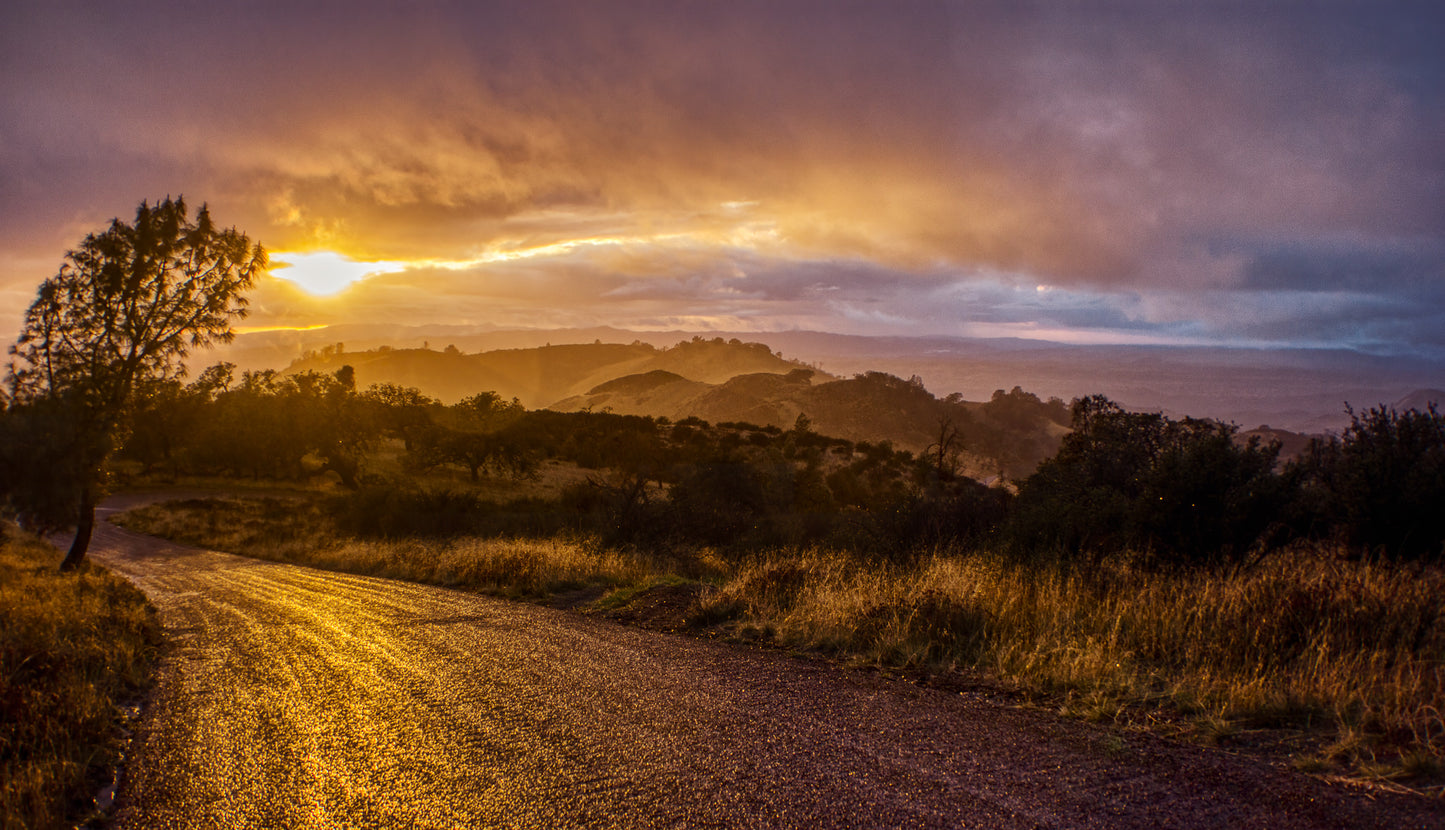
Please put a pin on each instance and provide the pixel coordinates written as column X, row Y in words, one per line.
column 291, row 697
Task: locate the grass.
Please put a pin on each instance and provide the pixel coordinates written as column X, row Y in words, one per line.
column 1349, row 654
column 299, row 530
column 1295, row 642
column 73, row 648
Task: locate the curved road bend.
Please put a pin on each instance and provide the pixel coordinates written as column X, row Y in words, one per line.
column 291, row 697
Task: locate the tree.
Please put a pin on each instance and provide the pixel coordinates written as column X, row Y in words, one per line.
column 37, row 481
column 1378, row 488
column 485, row 412
column 126, row 307
column 401, row 411
column 945, row 451
column 1181, row 490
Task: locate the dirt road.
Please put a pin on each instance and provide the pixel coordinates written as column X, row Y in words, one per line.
column 290, row 697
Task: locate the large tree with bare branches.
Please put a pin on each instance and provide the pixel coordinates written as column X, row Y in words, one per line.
column 127, row 306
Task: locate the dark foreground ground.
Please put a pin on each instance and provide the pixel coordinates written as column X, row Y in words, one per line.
column 290, row 697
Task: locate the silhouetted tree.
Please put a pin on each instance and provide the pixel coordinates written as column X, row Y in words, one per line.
column 336, row 421
column 485, row 412
column 402, row 411
column 1380, row 487
column 945, row 452
column 161, row 409
column 1178, row 489
column 126, row 307
column 39, row 479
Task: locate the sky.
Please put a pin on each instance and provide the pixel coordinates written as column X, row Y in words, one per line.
column 1241, row 174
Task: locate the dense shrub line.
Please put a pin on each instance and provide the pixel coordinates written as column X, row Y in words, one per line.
column 1175, row 491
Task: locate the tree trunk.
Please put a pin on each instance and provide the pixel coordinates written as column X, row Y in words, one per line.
column 84, row 524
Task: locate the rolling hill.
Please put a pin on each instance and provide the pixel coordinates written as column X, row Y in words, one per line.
column 721, row 381
column 543, row 375
column 1012, row 432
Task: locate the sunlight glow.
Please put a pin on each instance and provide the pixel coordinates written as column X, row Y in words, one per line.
column 552, row 249
column 739, row 235
column 262, row 329
column 326, row 272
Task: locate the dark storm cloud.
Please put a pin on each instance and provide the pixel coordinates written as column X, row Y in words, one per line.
column 1385, row 267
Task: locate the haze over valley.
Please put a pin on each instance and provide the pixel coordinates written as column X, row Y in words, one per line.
column 1302, row 390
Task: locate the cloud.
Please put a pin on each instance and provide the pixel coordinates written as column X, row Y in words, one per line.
column 849, row 166
column 1383, row 266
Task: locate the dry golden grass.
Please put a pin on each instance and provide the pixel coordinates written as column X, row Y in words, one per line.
column 1296, row 640
column 532, row 568
column 1302, row 641
column 296, row 530
column 72, row 646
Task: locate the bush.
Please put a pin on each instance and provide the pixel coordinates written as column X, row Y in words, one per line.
column 718, row 502
column 1379, row 488
column 390, row 512
column 961, row 512
column 1183, row 491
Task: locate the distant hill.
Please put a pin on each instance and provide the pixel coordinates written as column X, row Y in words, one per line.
column 1291, row 444
column 1013, row 432
column 1300, row 390
column 721, row 381
column 542, row 375
column 1421, row 399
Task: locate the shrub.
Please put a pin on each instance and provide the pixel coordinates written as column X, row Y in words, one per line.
column 390, row 512
column 1379, row 487
column 1181, row 490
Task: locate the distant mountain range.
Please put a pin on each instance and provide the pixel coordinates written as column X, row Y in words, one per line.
column 541, row 376
column 1299, row 390
column 723, row 381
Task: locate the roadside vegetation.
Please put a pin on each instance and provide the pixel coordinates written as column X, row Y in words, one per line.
column 1153, row 572
column 1344, row 654
column 1132, row 566
column 74, row 648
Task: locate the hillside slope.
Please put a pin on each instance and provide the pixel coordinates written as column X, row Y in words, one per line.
column 1014, row 431
column 542, row 375
column 723, row 381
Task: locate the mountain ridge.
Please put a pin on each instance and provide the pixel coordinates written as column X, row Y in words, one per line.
column 542, row 375
column 1302, row 390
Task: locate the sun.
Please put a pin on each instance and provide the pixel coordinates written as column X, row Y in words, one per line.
column 326, row 272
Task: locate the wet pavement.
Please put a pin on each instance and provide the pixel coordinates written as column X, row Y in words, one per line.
column 291, row 697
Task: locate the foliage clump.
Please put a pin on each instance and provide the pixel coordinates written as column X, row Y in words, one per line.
column 1179, row 490
column 1380, row 487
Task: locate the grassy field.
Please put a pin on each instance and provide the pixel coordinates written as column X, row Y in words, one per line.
column 73, row 648
column 1340, row 664
column 1294, row 643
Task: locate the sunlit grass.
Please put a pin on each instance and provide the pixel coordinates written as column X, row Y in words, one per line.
column 1292, row 642
column 298, row 530
column 1352, row 653
column 72, row 648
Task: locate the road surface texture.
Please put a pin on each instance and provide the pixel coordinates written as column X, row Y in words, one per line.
column 292, row 697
